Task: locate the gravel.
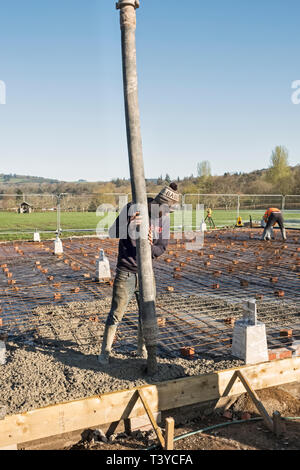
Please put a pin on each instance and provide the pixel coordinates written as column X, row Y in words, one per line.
column 46, row 372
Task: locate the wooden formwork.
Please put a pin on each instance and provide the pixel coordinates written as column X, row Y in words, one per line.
column 116, row 406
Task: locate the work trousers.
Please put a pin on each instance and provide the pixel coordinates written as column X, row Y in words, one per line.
column 126, row 285
column 275, row 218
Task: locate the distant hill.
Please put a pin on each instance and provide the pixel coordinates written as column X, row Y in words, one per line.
column 254, row 182
column 21, row 179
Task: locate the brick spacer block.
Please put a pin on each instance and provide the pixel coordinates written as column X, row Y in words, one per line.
column 280, row 353
column 187, row 351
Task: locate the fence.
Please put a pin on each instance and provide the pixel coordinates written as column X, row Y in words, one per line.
column 226, row 208
column 71, row 214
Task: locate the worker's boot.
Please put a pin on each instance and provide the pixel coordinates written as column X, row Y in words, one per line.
column 272, row 234
column 141, row 349
column 267, row 235
column 108, row 338
column 152, row 367
column 283, row 233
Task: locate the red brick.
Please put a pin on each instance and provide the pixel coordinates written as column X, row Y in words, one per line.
column 187, row 351
column 285, row 354
column 230, row 321
column 287, row 333
column 161, row 321
column 280, row 353
column 170, row 289
column 272, row 355
column 94, row 319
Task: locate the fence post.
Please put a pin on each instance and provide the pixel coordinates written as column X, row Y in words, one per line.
column 58, row 227
column 283, row 203
column 238, row 207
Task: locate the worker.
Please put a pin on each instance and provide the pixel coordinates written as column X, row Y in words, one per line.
column 209, row 218
column 272, row 217
column 126, row 280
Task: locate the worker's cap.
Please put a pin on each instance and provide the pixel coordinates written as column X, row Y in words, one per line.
column 168, row 196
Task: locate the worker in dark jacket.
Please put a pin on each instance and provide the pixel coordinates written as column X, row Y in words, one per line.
column 126, row 281
column 272, row 217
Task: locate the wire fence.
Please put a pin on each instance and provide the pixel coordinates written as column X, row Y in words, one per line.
column 227, row 208
column 23, row 215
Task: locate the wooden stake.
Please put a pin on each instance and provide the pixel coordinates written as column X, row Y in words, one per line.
column 152, row 419
column 169, row 439
column 253, row 395
column 277, row 423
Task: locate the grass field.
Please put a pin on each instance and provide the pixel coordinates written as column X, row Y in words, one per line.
column 12, row 224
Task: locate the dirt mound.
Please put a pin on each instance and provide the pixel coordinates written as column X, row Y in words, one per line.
column 273, row 399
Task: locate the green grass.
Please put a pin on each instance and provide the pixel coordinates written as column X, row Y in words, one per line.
column 47, row 221
column 70, row 221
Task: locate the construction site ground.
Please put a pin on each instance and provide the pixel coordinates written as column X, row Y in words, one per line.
column 53, row 313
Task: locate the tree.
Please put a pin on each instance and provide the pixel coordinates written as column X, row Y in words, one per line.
column 279, row 171
column 296, row 188
column 92, row 206
column 19, row 197
column 167, row 178
column 204, row 169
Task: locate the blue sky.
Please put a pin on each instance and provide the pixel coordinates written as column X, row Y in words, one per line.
column 214, row 84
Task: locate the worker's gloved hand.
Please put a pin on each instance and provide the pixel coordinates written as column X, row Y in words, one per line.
column 134, row 225
column 136, row 219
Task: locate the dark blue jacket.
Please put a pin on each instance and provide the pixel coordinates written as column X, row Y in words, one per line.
column 127, row 246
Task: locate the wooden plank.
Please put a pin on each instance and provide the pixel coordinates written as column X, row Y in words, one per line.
column 254, row 397
column 169, row 439
column 152, row 419
column 11, row 447
column 116, row 406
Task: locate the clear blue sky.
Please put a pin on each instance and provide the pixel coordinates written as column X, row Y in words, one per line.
column 214, row 84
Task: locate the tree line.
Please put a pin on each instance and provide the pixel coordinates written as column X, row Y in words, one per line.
column 279, row 178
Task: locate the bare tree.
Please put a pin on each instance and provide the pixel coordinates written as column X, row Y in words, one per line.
column 204, row 169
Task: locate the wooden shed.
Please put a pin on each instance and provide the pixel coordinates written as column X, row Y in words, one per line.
column 25, row 208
